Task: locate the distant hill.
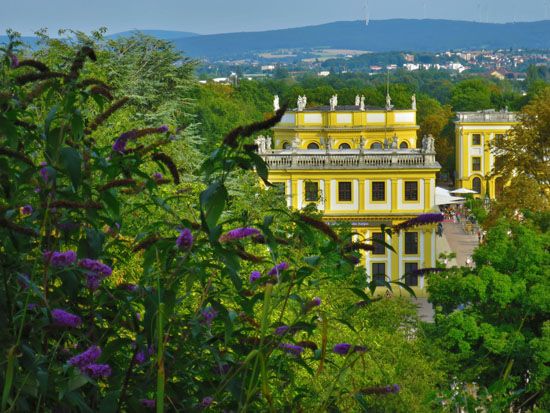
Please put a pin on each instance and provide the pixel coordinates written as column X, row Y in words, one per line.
column 378, row 36
column 159, row 34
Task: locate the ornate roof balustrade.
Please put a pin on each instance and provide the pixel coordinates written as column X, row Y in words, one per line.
column 486, row 116
column 350, row 159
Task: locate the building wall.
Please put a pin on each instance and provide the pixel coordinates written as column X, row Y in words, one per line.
column 363, row 212
column 465, row 150
column 346, row 127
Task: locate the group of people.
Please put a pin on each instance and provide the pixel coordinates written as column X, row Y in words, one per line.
column 460, row 214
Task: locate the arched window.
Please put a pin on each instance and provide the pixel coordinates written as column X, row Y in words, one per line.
column 476, row 185
column 313, row 145
column 344, row 146
column 403, row 145
column 376, row 145
column 286, row 145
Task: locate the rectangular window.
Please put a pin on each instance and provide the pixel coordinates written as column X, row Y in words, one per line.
column 312, row 191
column 411, row 279
column 411, row 243
column 379, row 248
column 411, row 191
column 476, row 163
column 344, row 191
column 476, row 139
column 379, row 272
column 378, row 191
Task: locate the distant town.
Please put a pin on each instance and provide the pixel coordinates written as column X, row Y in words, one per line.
column 499, row 64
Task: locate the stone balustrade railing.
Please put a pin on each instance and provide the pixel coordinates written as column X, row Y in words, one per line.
column 399, row 159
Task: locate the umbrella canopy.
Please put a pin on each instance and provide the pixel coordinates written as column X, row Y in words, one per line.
column 462, row 191
column 443, row 197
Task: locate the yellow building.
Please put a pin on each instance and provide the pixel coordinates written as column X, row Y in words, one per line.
column 361, row 165
column 475, row 133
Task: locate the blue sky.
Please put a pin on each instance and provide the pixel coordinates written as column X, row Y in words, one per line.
column 219, row 16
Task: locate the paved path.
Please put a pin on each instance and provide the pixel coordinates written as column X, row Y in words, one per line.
column 455, row 240
column 461, row 243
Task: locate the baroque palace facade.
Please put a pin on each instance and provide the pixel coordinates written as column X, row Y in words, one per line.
column 361, row 165
column 475, row 133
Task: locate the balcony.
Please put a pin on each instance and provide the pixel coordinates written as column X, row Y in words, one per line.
column 350, row 159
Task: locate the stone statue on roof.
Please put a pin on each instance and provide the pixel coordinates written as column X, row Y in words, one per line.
column 413, row 99
column 333, row 102
column 394, row 142
column 268, row 143
column 362, row 103
column 260, row 143
column 276, row 105
column 389, row 106
column 357, row 100
column 386, row 143
column 302, row 102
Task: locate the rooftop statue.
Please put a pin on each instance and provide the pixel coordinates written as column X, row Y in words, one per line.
column 389, row 106
column 362, row 103
column 302, row 102
column 276, row 105
column 333, row 102
column 357, row 100
column 413, row 106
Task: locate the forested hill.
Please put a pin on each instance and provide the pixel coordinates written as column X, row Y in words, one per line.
column 379, row 35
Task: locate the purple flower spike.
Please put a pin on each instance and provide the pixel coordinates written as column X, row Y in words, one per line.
column 95, row 266
column 255, row 276
column 14, row 61
column 149, row 403
column 44, row 172
column 208, row 315
column 390, row 389
column 97, row 370
column 93, row 281
column 26, row 210
column 185, row 239
column 64, row 319
column 342, row 348
column 163, row 129
column 139, row 358
column 85, row 358
column 206, row 402
column 60, row 259
column 316, row 302
column 282, row 330
column 120, row 145
column 278, row 269
column 424, row 219
column 157, row 176
column 239, row 233
column 291, row 348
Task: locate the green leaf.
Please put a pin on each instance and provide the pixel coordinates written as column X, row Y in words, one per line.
column 72, row 162
column 77, row 382
column 213, row 201
column 109, row 403
column 361, row 294
column 261, row 167
column 405, row 287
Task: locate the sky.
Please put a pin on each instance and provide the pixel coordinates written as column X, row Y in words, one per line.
column 221, row 16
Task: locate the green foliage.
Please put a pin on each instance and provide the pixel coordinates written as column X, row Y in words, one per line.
column 493, row 319
column 178, row 320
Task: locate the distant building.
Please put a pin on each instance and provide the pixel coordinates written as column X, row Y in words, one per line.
column 323, row 73
column 475, row 133
column 361, row 165
column 268, row 68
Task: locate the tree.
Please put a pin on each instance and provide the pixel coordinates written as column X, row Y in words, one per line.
column 494, row 319
column 526, row 151
column 470, row 95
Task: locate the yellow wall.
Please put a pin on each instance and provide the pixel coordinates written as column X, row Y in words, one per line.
column 465, row 150
column 373, row 126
